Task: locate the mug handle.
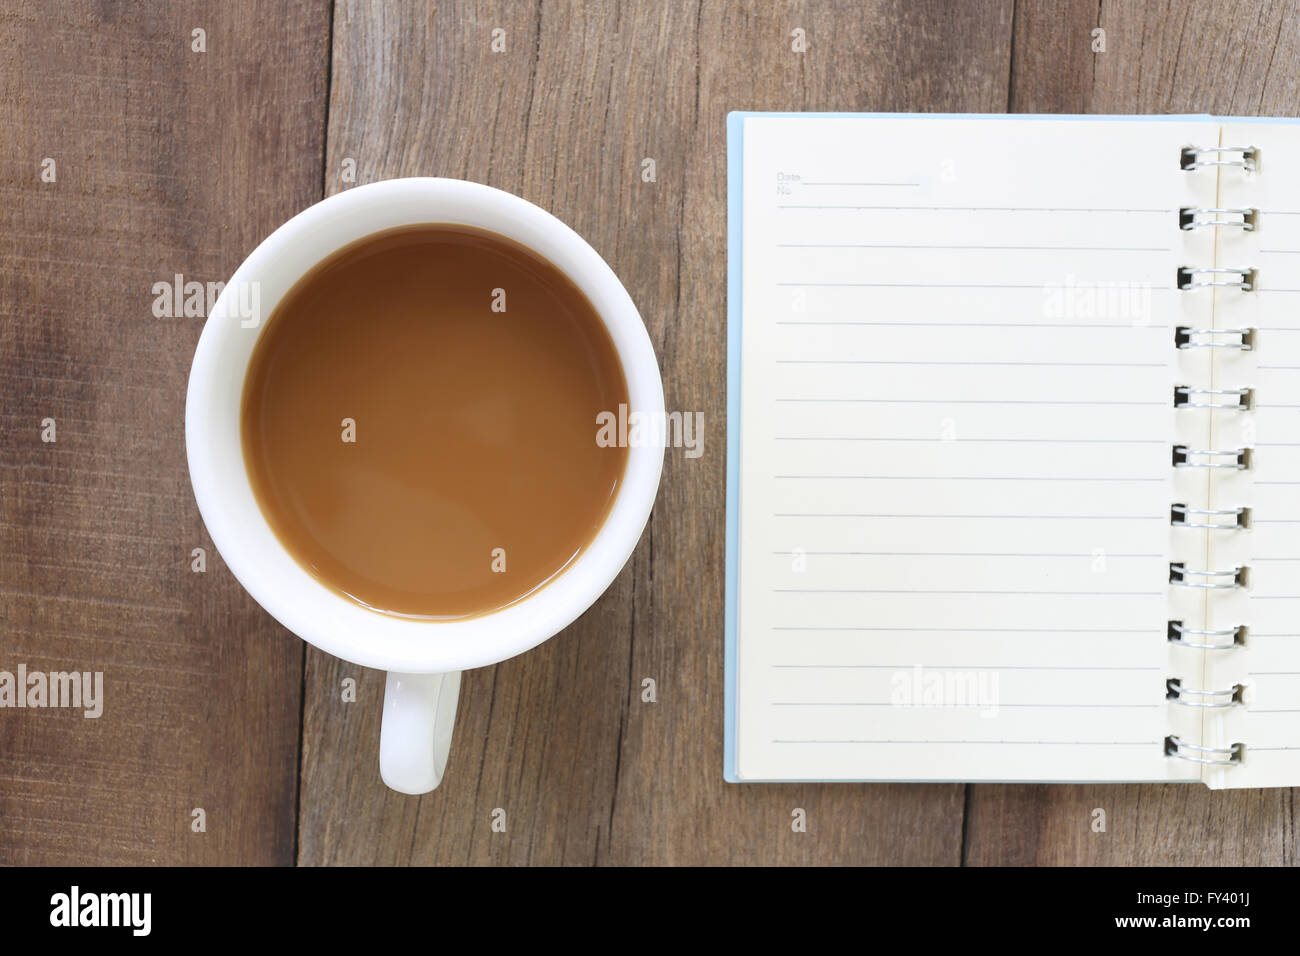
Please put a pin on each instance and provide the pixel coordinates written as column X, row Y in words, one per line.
column 415, row 736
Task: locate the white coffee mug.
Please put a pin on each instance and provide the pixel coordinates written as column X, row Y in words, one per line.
column 423, row 658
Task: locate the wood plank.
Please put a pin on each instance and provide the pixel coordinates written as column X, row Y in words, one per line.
column 559, row 738
column 1226, row 59
column 168, row 161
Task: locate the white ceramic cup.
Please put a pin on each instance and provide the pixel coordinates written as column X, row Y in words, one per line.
column 423, row 658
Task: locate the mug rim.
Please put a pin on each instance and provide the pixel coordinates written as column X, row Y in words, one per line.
column 307, row 606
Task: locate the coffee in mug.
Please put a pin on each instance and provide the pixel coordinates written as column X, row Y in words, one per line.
column 419, row 421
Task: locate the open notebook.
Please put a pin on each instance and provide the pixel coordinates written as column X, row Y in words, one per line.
column 1013, row 449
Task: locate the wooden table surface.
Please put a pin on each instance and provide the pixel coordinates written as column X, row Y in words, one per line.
column 171, row 161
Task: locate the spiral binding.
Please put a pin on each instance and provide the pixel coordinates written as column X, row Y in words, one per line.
column 1188, row 338
column 1213, row 756
column 1178, row 634
column 1188, row 278
column 1191, row 157
column 1238, row 518
column 1192, row 217
column 1191, row 278
column 1176, row 693
column 1223, row 579
column 1235, row 458
column 1185, row 396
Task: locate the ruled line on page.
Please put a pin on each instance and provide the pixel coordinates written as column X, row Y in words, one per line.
column 807, row 183
column 969, row 401
column 981, row 441
column 966, row 667
column 846, row 514
column 968, row 592
column 973, row 706
column 1032, row 743
column 1037, row 286
column 940, row 363
column 984, row 630
column 974, row 478
column 973, row 554
column 1048, row 209
column 981, row 325
column 972, row 248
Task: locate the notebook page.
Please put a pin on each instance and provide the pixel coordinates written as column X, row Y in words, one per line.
column 955, row 468
column 1268, row 666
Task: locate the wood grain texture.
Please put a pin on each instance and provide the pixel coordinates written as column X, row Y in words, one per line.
column 1225, row 59
column 171, row 161
column 583, row 94
column 168, row 161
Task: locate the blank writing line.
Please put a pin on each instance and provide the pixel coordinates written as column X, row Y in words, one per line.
column 981, row 630
column 944, row 362
column 887, row 245
column 1033, row 743
column 836, row 514
column 857, row 184
column 965, row 401
column 974, row 554
column 973, row 706
column 966, row 478
column 1038, row 286
column 966, row 667
column 981, row 441
column 987, row 325
column 982, row 208
column 972, row 592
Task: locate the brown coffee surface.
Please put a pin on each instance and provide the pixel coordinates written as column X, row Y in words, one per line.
column 475, row 429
